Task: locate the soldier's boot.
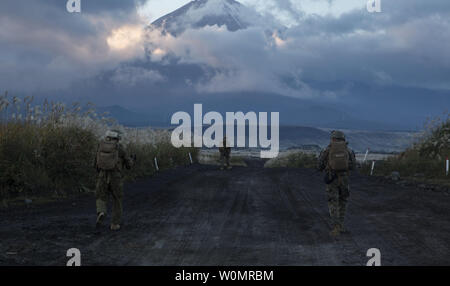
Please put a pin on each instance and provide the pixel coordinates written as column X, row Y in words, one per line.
column 115, row 227
column 100, row 218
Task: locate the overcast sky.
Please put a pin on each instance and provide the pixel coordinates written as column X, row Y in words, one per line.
column 43, row 47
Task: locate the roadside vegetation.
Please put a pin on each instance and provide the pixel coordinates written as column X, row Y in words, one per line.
column 293, row 159
column 48, row 149
column 424, row 160
column 212, row 157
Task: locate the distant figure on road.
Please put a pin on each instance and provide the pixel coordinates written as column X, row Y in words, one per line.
column 225, row 153
column 337, row 160
column 110, row 162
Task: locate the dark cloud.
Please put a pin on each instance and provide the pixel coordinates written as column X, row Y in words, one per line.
column 328, row 57
column 408, row 43
column 42, row 46
column 393, row 47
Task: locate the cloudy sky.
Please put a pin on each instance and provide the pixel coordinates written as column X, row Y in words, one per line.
column 326, row 47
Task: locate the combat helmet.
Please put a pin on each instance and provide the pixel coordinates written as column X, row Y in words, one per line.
column 113, row 134
column 338, row 135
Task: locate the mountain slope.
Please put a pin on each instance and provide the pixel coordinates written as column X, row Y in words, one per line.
column 202, row 13
column 130, row 118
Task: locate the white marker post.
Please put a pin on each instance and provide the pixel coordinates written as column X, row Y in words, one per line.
column 373, row 167
column 446, row 167
column 190, row 158
column 367, row 153
column 156, row 164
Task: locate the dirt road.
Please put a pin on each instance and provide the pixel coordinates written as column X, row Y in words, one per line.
column 199, row 215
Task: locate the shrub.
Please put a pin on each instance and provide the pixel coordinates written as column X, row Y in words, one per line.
column 51, row 149
column 426, row 157
column 20, row 165
column 167, row 157
column 68, row 156
column 294, row 159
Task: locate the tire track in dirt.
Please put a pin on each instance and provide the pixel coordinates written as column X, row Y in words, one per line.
column 247, row 216
column 319, row 245
column 348, row 252
column 411, row 228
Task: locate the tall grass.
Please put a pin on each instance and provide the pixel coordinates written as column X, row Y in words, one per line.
column 294, row 159
column 167, row 156
column 50, row 148
column 425, row 158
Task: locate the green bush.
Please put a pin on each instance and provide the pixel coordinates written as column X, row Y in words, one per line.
column 47, row 159
column 36, row 158
column 68, row 156
column 410, row 165
column 297, row 159
column 425, row 158
column 302, row 160
column 52, row 152
column 167, row 157
column 20, row 165
column 156, row 144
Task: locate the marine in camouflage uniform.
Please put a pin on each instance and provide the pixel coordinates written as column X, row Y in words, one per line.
column 110, row 183
column 338, row 190
column 225, row 153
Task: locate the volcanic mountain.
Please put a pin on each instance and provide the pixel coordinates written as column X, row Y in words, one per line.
column 201, row 13
column 179, row 82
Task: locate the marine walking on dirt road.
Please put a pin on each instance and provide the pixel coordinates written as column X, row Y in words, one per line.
column 225, row 153
column 110, row 161
column 337, row 160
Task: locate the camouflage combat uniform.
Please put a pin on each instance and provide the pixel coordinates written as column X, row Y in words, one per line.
column 225, row 153
column 338, row 190
column 111, row 183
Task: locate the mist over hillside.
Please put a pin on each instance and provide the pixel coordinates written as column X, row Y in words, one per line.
column 290, row 136
column 359, row 141
column 353, row 71
column 167, row 82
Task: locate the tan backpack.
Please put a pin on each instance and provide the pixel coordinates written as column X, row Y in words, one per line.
column 338, row 157
column 107, row 156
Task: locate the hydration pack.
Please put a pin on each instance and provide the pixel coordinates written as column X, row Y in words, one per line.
column 107, row 156
column 338, row 157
